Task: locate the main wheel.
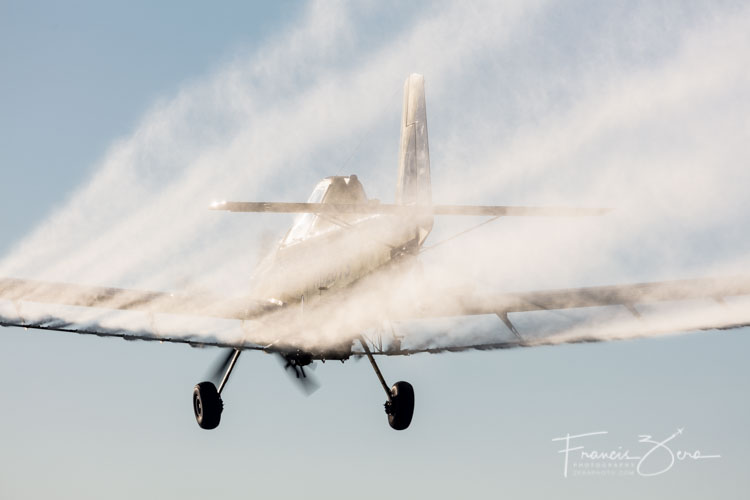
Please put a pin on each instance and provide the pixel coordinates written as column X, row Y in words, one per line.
column 207, row 405
column 400, row 408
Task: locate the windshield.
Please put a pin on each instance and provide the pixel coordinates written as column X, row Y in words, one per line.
column 303, row 222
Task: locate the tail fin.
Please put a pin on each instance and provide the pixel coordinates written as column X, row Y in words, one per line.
column 414, row 186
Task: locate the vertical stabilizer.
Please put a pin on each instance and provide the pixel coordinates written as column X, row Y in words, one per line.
column 413, row 187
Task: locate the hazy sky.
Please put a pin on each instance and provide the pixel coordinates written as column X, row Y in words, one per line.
column 119, row 124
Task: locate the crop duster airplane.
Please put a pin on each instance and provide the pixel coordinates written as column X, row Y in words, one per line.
column 333, row 278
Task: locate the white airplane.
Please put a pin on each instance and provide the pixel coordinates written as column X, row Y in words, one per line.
column 338, row 274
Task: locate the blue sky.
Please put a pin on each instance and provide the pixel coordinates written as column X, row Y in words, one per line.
column 120, row 115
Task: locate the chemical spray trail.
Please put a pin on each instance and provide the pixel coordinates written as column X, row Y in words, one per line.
column 651, row 120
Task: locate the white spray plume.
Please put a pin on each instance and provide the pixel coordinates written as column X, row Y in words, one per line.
column 646, row 110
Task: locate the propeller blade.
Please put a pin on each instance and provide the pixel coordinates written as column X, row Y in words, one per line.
column 304, row 380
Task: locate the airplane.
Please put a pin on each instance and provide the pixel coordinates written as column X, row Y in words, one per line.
column 338, row 274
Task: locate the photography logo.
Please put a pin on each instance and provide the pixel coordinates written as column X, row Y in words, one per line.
column 649, row 456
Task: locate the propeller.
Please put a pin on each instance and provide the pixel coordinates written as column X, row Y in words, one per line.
column 294, row 365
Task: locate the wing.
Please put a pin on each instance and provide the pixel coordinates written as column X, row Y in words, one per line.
column 126, row 299
column 54, row 324
column 352, row 311
column 19, row 291
column 682, row 293
column 467, row 302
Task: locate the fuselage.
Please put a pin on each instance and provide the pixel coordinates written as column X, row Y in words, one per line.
column 324, row 256
column 321, row 253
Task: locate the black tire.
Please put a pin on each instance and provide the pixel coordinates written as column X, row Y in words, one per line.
column 207, row 405
column 401, row 407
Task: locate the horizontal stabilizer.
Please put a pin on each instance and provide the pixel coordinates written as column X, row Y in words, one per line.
column 404, row 210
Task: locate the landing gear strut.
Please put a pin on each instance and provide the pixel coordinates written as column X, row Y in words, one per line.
column 207, row 403
column 208, row 406
column 400, row 404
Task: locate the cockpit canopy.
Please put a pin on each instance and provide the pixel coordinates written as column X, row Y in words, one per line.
column 338, row 189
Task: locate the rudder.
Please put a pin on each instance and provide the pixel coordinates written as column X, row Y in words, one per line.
column 414, row 186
